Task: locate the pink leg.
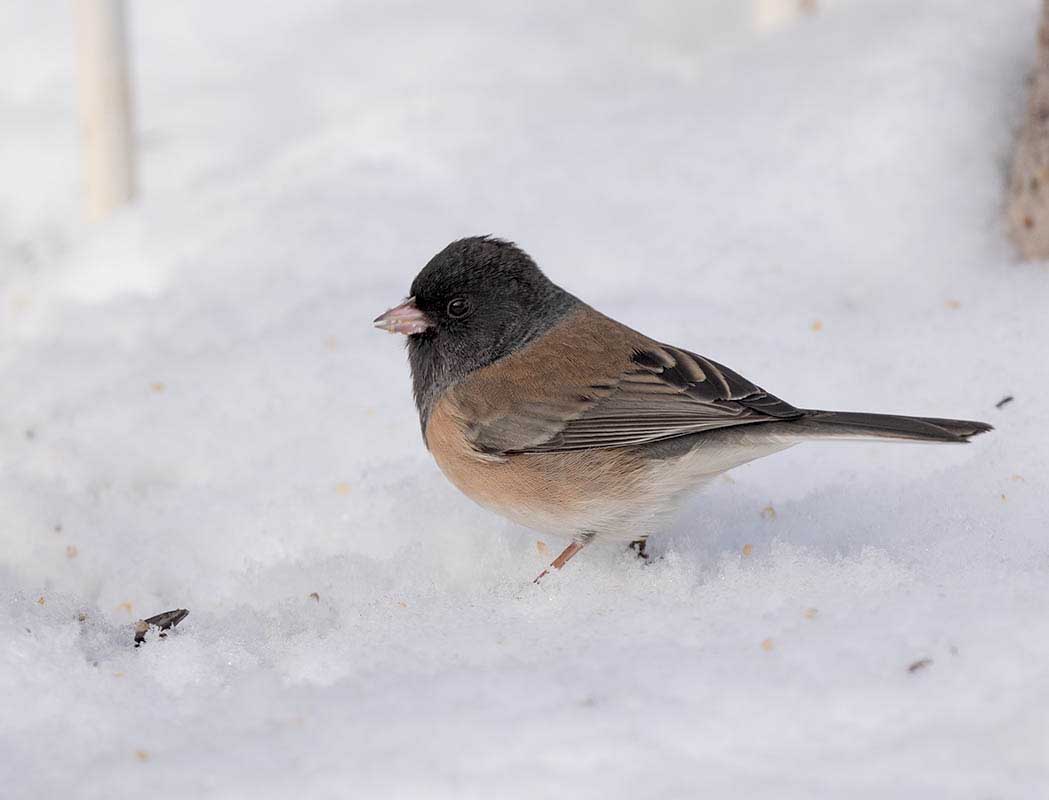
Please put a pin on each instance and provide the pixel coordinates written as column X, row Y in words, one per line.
column 564, row 558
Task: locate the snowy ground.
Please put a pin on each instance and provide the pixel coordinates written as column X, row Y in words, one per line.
column 195, row 411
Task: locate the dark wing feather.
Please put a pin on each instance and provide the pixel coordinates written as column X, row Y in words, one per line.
column 664, row 393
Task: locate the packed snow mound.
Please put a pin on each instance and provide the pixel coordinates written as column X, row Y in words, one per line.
column 196, row 413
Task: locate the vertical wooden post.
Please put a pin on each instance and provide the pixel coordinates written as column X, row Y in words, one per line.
column 105, row 105
column 1027, row 205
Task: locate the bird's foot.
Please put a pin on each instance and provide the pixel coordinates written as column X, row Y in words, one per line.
column 565, row 556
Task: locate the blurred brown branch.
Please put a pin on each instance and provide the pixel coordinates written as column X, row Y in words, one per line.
column 1028, row 202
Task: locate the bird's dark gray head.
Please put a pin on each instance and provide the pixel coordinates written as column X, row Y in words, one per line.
column 477, row 301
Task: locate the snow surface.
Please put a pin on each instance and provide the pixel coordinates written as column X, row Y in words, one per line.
column 195, row 411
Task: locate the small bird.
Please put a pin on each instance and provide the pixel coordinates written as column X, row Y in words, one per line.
column 544, row 410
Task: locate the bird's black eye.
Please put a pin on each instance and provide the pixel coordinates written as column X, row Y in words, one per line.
column 458, row 307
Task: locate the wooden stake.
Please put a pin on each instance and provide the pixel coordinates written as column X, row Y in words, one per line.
column 1027, row 204
column 105, row 105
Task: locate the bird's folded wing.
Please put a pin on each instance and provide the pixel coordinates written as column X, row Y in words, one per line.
column 653, row 392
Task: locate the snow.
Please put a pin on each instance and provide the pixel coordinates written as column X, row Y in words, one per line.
column 196, row 412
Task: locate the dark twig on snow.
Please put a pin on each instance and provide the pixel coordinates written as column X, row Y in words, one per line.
column 165, row 621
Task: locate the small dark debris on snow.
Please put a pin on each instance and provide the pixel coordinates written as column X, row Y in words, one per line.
column 1004, row 401
column 165, row 621
column 921, row 663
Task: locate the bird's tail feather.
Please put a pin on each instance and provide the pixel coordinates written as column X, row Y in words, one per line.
column 850, row 424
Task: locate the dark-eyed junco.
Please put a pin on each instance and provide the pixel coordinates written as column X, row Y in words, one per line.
column 552, row 414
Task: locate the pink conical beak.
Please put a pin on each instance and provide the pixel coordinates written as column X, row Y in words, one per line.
column 405, row 318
